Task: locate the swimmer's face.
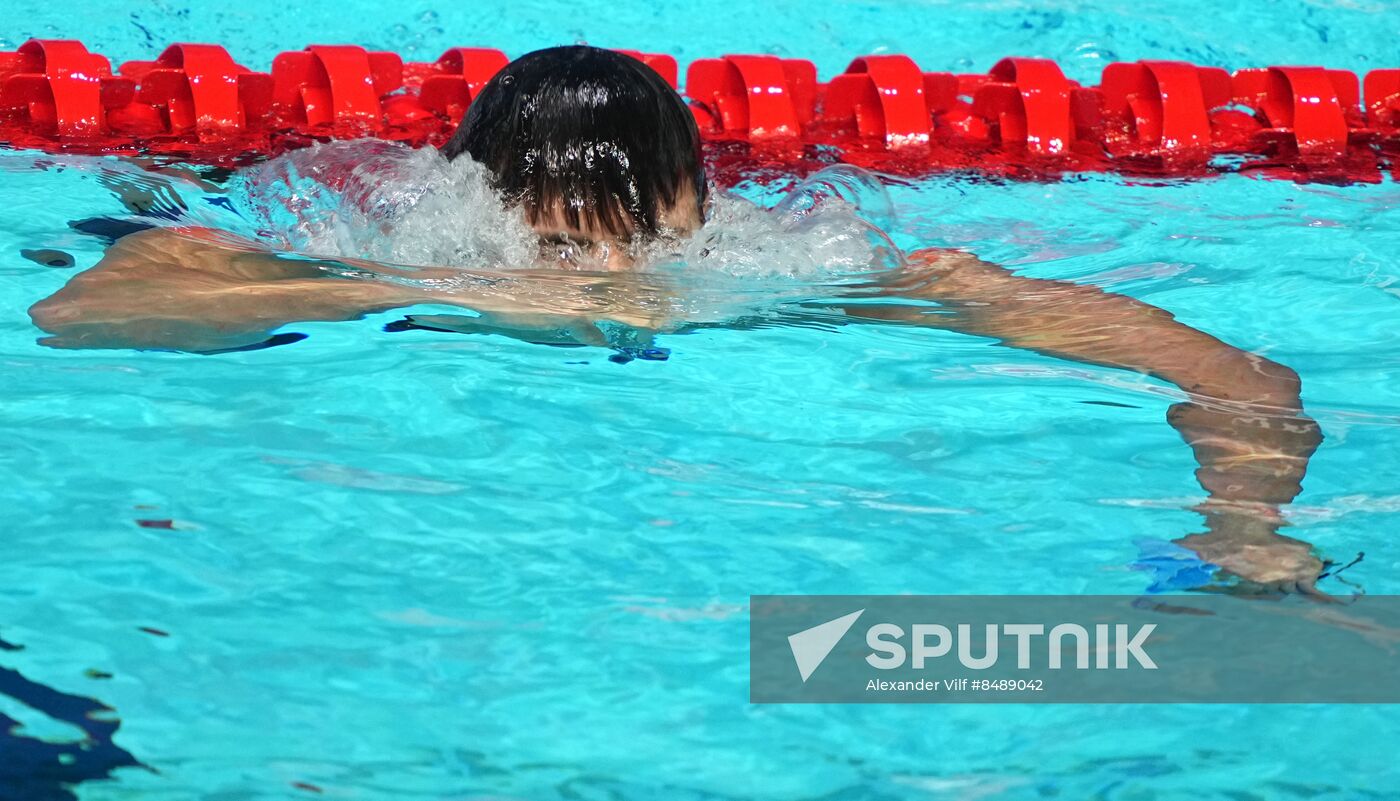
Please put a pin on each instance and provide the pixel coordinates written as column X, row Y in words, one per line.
column 567, row 132
column 587, row 247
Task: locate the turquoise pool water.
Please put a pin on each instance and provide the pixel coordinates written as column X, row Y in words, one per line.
column 421, row 565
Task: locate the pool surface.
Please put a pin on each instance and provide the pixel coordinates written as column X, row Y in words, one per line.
column 376, row 564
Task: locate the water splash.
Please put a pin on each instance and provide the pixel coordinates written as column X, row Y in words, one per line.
column 830, row 227
column 389, row 203
column 384, row 202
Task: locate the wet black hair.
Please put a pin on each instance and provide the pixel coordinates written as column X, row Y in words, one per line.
column 594, row 133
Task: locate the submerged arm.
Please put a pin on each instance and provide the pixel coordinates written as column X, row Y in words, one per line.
column 186, row 290
column 1244, row 417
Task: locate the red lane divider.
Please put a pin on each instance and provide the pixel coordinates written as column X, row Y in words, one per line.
column 885, row 98
column 1023, row 118
column 959, row 123
column 1027, row 102
column 199, row 88
column 1383, row 98
column 449, row 85
column 664, row 65
column 1307, row 107
column 56, row 86
column 1162, row 107
column 753, row 97
column 334, row 84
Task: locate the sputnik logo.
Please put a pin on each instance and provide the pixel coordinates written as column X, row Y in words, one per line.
column 810, row 647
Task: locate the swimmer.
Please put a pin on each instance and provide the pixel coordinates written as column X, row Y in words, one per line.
column 602, row 157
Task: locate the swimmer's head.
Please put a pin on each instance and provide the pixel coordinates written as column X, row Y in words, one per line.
column 594, row 146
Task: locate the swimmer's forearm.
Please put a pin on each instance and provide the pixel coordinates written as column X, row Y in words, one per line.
column 1079, row 323
column 544, row 296
column 1250, row 464
column 1248, row 455
column 198, row 290
column 1244, row 421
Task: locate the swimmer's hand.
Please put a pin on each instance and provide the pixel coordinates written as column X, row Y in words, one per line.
column 1252, row 457
column 1260, row 562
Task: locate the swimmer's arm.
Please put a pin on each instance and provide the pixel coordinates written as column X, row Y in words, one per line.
column 1082, row 323
column 182, row 289
column 1244, row 417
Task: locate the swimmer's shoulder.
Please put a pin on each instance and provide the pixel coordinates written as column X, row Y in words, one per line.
column 177, row 253
column 179, row 245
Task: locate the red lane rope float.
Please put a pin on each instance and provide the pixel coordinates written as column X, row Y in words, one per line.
column 1306, row 108
column 752, row 97
column 448, row 86
column 1162, row 108
column 887, row 98
column 1027, row 104
column 334, row 85
column 57, row 88
column 1382, row 94
column 1023, row 118
column 194, row 88
column 1383, row 97
column 664, row 65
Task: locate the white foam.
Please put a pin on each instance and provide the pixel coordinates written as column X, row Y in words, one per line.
column 824, row 229
column 386, row 202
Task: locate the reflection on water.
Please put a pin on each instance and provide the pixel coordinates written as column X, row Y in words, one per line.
column 35, row 769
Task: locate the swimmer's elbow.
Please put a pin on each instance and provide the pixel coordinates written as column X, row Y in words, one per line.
column 51, row 313
column 1284, row 378
column 1271, row 382
column 62, row 319
column 1248, row 378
